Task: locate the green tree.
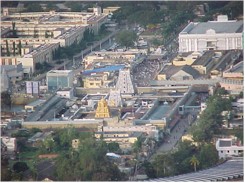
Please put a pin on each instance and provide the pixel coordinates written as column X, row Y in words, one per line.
column 164, row 165
column 208, row 155
column 14, row 48
column 20, row 167
column 239, row 135
column 113, row 147
column 102, row 29
column 19, row 48
column 89, row 163
column 194, row 162
column 7, row 48
column 5, row 100
column 5, row 170
column 126, row 38
column 49, row 143
column 14, row 32
column 149, row 169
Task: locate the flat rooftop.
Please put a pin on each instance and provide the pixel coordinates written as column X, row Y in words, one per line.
column 59, row 71
column 218, row 27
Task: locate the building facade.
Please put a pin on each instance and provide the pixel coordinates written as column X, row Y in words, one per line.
column 222, row 34
column 58, row 79
column 228, row 147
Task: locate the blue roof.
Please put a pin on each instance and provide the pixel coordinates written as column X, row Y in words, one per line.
column 109, row 68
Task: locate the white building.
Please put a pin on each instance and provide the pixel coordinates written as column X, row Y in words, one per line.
column 228, row 147
column 66, row 93
column 9, row 143
column 222, row 34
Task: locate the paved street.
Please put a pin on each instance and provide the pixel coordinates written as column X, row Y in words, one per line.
column 174, row 137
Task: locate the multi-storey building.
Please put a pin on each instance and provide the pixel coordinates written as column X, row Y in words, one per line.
column 40, row 33
column 57, row 79
column 222, row 34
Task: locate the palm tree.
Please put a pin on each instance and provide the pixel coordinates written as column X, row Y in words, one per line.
column 194, row 161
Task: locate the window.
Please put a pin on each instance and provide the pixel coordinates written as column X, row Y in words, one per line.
column 228, row 151
column 234, row 151
column 221, row 151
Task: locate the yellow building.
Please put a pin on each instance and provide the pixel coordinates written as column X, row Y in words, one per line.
column 102, row 110
column 186, row 58
column 98, row 80
column 124, row 139
column 109, row 10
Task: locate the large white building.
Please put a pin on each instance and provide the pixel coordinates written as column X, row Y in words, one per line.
column 222, row 34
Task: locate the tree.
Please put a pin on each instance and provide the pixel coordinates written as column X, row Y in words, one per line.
column 49, row 143
column 19, row 47
column 149, row 169
column 20, row 167
column 14, row 48
column 239, row 135
column 102, row 29
column 7, row 48
column 126, row 38
column 113, row 147
column 194, row 161
column 208, row 155
column 14, row 30
column 164, row 165
column 5, row 171
column 5, row 100
column 89, row 163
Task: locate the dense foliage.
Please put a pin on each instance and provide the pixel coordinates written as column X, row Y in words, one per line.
column 187, row 158
column 126, row 38
column 211, row 120
column 5, row 100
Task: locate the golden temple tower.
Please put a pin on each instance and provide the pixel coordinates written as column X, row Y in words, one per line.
column 102, row 110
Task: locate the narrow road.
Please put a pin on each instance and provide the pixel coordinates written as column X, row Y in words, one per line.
column 174, row 137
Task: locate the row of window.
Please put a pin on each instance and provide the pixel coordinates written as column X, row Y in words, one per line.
column 239, row 151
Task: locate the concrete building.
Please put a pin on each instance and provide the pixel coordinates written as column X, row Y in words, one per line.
column 10, row 74
column 125, row 139
column 124, row 82
column 40, row 33
column 234, row 72
column 228, row 147
column 58, row 79
column 206, row 62
column 232, row 86
column 222, row 34
column 9, row 143
column 98, row 80
column 186, row 58
column 177, row 73
column 66, row 93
